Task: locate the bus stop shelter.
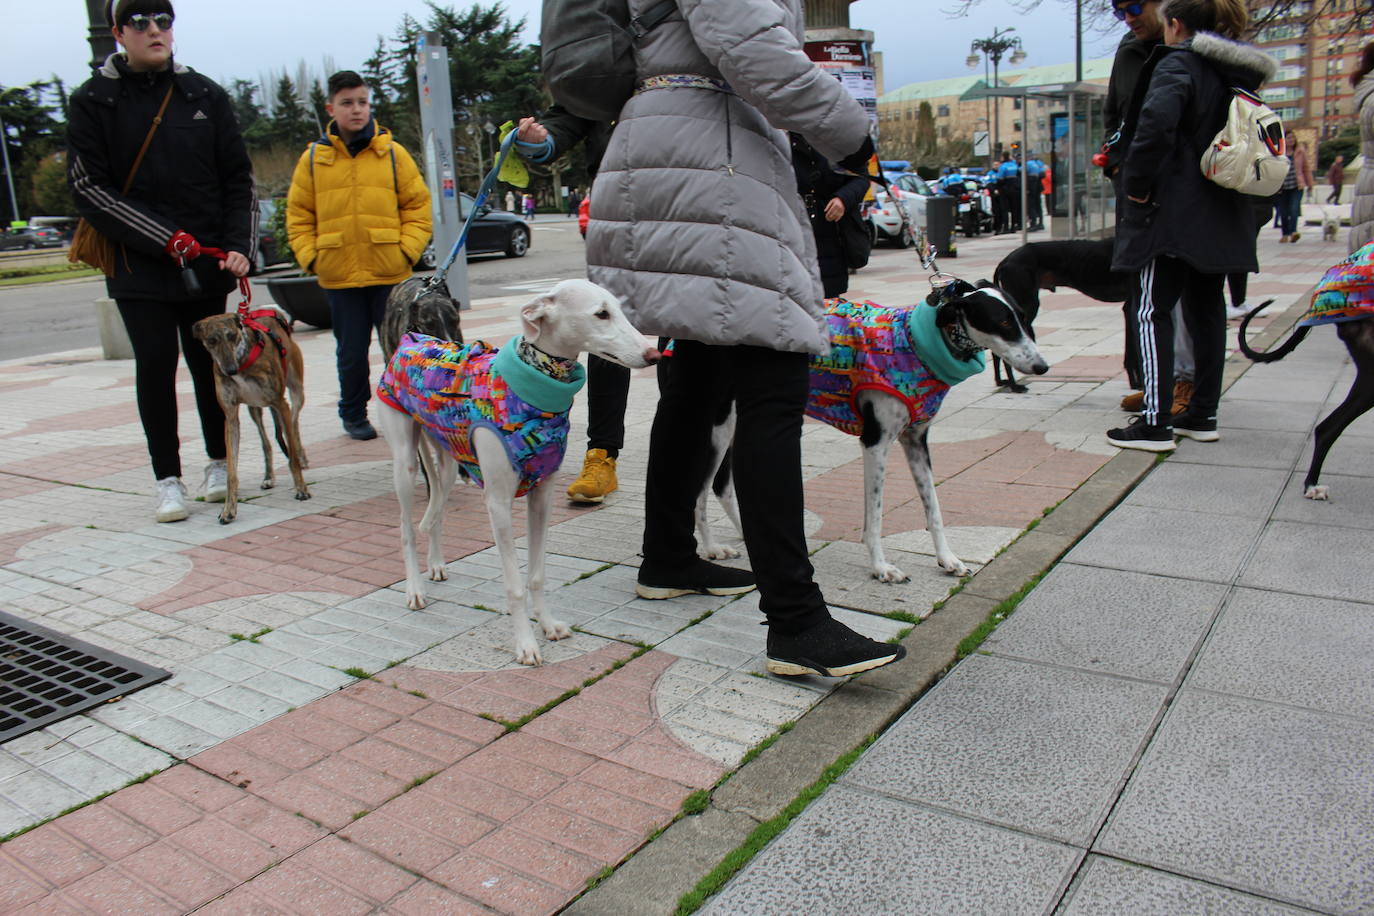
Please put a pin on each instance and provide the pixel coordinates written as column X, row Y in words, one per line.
column 1082, row 202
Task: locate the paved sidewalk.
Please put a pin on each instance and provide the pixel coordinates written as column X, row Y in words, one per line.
column 452, row 780
column 1179, row 718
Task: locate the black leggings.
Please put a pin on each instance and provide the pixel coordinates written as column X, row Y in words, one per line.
column 1162, row 283
column 153, row 328
column 770, row 389
column 608, row 390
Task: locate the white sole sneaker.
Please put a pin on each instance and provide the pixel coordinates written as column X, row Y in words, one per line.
column 171, row 500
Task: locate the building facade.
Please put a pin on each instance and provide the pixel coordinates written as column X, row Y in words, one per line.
column 1317, row 51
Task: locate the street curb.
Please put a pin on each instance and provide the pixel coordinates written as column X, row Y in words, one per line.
column 656, row 877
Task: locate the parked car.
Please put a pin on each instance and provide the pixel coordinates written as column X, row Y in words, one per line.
column 897, row 217
column 270, row 250
column 492, row 231
column 30, row 238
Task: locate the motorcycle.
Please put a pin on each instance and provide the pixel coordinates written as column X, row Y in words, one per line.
column 974, row 215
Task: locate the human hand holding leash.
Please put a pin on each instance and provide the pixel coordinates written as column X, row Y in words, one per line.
column 834, row 209
column 235, row 263
column 531, row 131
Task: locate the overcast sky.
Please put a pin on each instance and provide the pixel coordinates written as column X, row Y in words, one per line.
column 250, row 38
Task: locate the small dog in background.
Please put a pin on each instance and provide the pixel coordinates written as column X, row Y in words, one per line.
column 1082, row 265
column 258, row 364
column 1331, row 227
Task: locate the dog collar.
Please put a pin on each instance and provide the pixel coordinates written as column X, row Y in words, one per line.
column 555, row 367
column 534, row 387
column 961, row 346
column 937, row 351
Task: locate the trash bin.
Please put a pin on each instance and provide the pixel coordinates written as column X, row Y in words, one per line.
column 941, row 211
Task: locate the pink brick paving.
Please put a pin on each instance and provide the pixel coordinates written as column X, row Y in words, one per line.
column 273, row 821
column 79, row 465
column 1004, row 480
column 10, row 544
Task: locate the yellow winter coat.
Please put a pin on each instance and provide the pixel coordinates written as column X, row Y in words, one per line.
column 359, row 220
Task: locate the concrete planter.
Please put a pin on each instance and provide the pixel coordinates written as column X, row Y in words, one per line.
column 299, row 295
column 114, row 339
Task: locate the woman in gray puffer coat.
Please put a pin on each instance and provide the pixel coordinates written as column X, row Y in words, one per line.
column 697, row 225
column 1362, row 209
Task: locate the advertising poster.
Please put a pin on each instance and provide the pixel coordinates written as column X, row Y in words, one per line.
column 851, row 63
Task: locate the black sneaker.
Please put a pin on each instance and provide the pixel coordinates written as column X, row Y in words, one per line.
column 1196, row 428
column 701, row 578
column 1141, row 435
column 829, row 649
column 359, row 429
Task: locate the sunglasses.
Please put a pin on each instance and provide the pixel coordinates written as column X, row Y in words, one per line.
column 139, row 22
column 1121, row 12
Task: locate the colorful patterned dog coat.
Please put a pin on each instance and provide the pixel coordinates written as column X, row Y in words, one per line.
column 1346, row 292
column 873, row 347
column 452, row 389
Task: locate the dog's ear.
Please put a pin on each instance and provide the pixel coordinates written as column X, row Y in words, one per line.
column 532, row 315
column 947, row 313
column 198, row 330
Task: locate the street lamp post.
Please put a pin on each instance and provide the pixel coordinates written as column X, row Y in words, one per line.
column 992, row 48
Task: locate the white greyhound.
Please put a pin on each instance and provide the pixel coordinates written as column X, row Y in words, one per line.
column 541, row 365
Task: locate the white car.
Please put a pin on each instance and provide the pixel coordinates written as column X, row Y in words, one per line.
column 888, row 220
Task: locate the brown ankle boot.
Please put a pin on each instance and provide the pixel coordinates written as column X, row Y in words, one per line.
column 1133, row 402
column 1183, row 393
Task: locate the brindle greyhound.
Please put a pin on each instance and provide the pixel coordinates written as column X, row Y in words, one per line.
column 257, row 363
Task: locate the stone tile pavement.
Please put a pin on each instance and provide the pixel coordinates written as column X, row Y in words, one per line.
column 320, row 747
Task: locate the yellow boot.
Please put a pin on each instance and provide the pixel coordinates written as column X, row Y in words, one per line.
column 597, row 479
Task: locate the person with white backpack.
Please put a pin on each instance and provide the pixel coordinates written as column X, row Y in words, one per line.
column 1181, row 230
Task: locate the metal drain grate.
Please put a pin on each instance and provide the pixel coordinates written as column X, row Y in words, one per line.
column 46, row 676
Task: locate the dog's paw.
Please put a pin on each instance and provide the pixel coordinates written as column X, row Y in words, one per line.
column 527, row 652
column 886, row 572
column 1317, row 492
column 302, row 494
column 719, row 552
column 952, row 565
column 1017, row 389
column 438, row 573
column 415, row 598
column 555, row 630
column 227, row 515
column 268, row 483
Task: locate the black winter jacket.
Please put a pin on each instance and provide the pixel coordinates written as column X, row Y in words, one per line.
column 1131, row 55
column 196, row 176
column 817, row 182
column 1179, row 105
column 567, row 130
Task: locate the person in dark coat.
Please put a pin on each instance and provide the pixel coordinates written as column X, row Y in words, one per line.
column 1146, row 33
column 828, row 196
column 1182, row 232
column 193, row 188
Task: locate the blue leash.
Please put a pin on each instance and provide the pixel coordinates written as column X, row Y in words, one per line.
column 437, row 281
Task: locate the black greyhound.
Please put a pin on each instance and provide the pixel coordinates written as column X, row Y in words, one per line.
column 1082, row 265
column 1358, row 337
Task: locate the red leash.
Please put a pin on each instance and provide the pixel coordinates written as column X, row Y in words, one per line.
column 250, row 319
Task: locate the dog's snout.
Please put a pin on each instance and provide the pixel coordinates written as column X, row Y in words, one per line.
column 1040, row 367
column 651, row 355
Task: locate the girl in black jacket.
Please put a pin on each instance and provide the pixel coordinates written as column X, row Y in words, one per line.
column 830, row 196
column 1180, row 231
column 194, row 187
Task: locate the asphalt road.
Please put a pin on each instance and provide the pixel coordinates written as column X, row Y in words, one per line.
column 52, row 317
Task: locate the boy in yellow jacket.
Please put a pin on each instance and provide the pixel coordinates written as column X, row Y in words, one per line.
column 358, row 217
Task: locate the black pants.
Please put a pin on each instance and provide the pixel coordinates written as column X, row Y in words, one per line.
column 1335, row 196
column 770, row 390
column 608, row 388
column 153, row 331
column 355, row 313
column 1162, row 283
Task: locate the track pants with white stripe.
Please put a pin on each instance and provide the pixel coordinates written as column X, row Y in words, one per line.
column 1164, row 283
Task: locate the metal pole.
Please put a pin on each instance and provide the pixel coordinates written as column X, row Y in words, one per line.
column 1025, row 221
column 987, row 106
column 101, row 39
column 996, row 104
column 9, row 173
column 436, row 127
column 1078, row 40
column 1069, row 165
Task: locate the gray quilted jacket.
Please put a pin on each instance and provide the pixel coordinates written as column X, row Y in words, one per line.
column 696, row 223
column 1362, row 209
